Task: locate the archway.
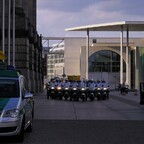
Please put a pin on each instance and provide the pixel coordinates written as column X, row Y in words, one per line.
column 105, row 64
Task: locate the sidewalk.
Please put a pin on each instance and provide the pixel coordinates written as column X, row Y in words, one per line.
column 131, row 97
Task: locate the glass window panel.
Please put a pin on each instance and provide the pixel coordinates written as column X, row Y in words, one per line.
column 105, row 61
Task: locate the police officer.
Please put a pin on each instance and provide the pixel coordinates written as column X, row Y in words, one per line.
column 66, row 83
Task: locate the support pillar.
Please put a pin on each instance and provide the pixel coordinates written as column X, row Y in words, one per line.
column 87, row 52
column 128, row 64
column 121, row 55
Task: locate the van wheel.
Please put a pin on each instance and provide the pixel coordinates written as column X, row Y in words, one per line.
column 30, row 127
column 20, row 137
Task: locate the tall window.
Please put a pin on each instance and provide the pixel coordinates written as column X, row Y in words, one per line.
column 105, row 61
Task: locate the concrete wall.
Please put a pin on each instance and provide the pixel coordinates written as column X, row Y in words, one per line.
column 72, row 55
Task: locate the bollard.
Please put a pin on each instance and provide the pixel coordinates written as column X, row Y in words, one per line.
column 136, row 92
column 142, row 93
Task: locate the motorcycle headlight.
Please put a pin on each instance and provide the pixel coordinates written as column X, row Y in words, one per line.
column 59, row 88
column 99, row 88
column 74, row 89
column 66, row 88
column 11, row 113
column 105, row 88
column 52, row 87
column 83, row 89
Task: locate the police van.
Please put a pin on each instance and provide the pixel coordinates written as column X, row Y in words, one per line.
column 16, row 104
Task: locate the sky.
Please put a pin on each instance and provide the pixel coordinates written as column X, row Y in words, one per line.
column 54, row 16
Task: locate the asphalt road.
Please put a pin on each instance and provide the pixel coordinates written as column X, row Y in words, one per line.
column 114, row 121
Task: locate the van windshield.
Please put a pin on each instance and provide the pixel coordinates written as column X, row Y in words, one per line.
column 9, row 88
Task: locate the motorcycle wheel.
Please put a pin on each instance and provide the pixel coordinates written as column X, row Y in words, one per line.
column 99, row 97
column 91, row 98
column 77, row 99
column 107, row 96
column 47, row 95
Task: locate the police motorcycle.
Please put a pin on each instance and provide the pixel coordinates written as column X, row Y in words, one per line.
column 58, row 89
column 91, row 90
column 104, row 90
column 51, row 93
column 83, row 91
column 124, row 89
column 98, row 90
column 74, row 91
column 66, row 89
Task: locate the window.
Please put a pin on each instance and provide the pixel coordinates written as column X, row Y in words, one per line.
column 9, row 88
column 24, row 86
column 105, row 61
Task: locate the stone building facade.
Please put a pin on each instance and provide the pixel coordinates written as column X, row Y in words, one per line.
column 28, row 43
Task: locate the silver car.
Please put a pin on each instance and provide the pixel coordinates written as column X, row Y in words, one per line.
column 16, row 105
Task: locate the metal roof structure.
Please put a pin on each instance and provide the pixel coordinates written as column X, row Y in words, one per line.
column 115, row 26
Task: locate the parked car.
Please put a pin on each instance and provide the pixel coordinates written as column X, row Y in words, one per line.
column 16, row 105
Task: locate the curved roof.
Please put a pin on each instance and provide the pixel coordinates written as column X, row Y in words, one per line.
column 115, row 26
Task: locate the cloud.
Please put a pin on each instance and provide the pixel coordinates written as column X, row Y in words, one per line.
column 55, row 16
column 109, row 11
column 53, row 22
column 65, row 5
column 132, row 7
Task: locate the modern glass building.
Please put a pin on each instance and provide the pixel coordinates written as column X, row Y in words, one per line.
column 116, row 60
column 104, row 60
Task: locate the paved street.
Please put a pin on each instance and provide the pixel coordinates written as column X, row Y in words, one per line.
column 118, row 107
column 118, row 120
